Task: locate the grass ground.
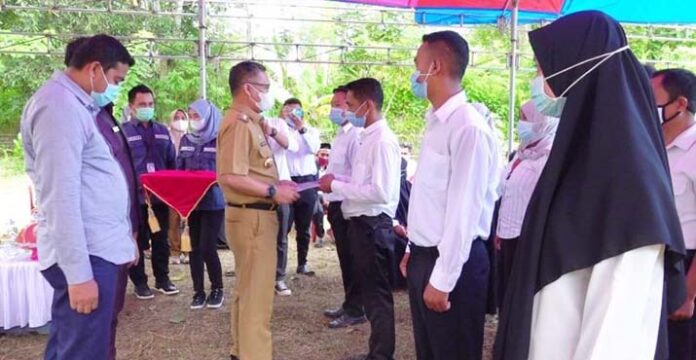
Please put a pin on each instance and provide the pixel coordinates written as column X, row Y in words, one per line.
column 165, row 328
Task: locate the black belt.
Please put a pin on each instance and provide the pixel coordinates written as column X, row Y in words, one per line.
column 255, row 206
column 430, row 250
column 304, row 179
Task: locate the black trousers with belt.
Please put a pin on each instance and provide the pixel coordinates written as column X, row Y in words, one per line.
column 352, row 304
column 371, row 242
column 456, row 334
column 682, row 334
column 301, row 213
column 160, row 246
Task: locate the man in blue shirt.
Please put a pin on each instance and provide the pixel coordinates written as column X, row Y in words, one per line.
column 84, row 234
column 152, row 150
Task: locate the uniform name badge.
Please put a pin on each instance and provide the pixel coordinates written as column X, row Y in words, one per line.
column 150, row 167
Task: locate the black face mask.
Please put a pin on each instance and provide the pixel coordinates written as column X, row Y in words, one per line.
column 661, row 112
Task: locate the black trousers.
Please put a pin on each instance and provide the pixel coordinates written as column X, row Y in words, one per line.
column 318, row 218
column 301, row 213
column 352, row 304
column 456, row 334
column 371, row 241
column 283, row 228
column 682, row 334
column 203, row 228
column 160, row 246
column 505, row 258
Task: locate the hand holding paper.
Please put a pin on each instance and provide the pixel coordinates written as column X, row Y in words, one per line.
column 325, row 183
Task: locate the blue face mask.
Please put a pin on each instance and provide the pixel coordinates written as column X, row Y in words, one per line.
column 525, row 130
column 108, row 96
column 336, row 116
column 358, row 121
column 420, row 89
column 145, row 114
column 554, row 106
column 545, row 104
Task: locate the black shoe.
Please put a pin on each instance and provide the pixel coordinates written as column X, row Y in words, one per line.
column 335, row 313
column 198, row 301
column 230, row 273
column 143, row 292
column 167, row 288
column 216, row 298
column 356, row 357
column 304, row 270
column 232, row 357
column 346, row 321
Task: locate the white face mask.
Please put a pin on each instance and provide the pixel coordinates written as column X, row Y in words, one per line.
column 266, row 99
column 197, row 125
column 554, row 106
column 181, row 125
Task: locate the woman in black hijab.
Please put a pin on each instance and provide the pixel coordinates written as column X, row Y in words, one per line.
column 599, row 262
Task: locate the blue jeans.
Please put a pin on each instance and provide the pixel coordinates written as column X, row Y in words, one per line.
column 77, row 336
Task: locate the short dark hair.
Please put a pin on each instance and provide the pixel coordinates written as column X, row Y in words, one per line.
column 340, row 89
column 72, row 47
column 105, row 49
column 240, row 72
column 139, row 89
column 458, row 49
column 649, row 69
column 292, row 101
column 679, row 82
column 325, row 146
column 407, row 146
column 367, row 89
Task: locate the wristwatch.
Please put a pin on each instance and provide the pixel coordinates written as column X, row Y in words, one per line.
column 302, row 131
column 273, row 133
column 271, row 192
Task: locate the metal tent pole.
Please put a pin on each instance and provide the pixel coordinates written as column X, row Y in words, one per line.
column 202, row 48
column 514, row 55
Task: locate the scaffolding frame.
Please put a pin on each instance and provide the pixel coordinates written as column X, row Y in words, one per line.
column 249, row 49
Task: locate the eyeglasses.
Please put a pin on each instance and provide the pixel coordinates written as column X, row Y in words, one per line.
column 265, row 87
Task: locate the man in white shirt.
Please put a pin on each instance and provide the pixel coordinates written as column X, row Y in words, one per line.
column 344, row 152
column 370, row 198
column 675, row 95
column 303, row 168
column 281, row 142
column 451, row 208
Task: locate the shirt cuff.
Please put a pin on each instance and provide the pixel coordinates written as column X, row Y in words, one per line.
column 77, row 273
column 441, row 280
column 337, row 187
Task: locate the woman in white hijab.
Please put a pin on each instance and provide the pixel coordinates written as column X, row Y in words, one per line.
column 536, row 133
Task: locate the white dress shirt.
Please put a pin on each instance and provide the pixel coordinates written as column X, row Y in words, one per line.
column 682, row 163
column 303, row 162
column 517, row 188
column 279, row 152
column 373, row 187
column 455, row 187
column 343, row 152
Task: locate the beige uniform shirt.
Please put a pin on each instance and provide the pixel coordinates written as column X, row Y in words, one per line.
column 243, row 150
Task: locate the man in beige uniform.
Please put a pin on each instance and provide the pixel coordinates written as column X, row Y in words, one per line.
column 248, row 177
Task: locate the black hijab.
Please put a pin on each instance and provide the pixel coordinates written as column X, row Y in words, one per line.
column 606, row 187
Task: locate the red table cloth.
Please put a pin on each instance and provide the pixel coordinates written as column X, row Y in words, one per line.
column 181, row 190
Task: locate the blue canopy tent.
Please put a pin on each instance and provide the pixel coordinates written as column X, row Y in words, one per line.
column 459, row 12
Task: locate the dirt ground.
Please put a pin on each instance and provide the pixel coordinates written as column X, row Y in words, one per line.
column 165, row 328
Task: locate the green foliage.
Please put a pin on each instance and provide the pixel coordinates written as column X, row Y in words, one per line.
column 176, row 82
column 12, row 159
